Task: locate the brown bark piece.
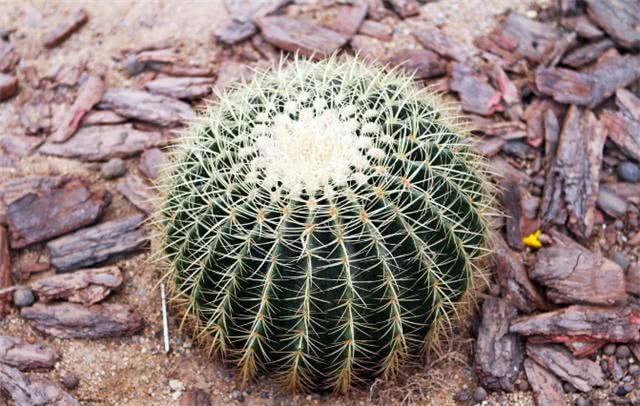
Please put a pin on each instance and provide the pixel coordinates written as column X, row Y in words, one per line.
column 135, row 190
column 374, row 29
column 498, row 353
column 236, row 31
column 476, row 94
column 13, row 189
column 552, row 206
column 547, row 389
column 511, row 198
column 242, row 25
column 8, row 86
column 195, row 397
column 404, row 8
column 619, row 18
column 628, row 103
column 35, row 218
column 440, row 43
column 512, row 277
column 584, row 374
column 67, row 27
column 5, row 271
column 534, row 116
column 89, row 95
column 588, row 53
column 18, row 353
column 102, row 117
column 96, row 244
column 579, row 159
column 101, row 143
column 633, row 280
column 368, row 47
column 572, row 274
column 27, row 391
column 422, row 64
column 582, row 26
column 85, row 286
column 348, row 19
column 71, row 320
column 182, row 87
column 153, row 108
column 152, row 162
column 624, row 132
column 588, row 323
column 489, row 146
column 19, row 145
column 8, row 57
column 294, row 34
column 535, row 40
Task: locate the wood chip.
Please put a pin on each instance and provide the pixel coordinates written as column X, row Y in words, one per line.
column 101, row 143
column 368, row 47
column 13, row 189
column 85, row 286
column 195, row 397
column 8, row 86
column 241, row 26
column 348, row 19
column 236, row 31
column 583, row 374
column 535, row 40
column 374, row 29
column 96, row 244
column 102, row 117
column 475, row 92
column 404, row 8
column 582, row 26
column 440, row 43
column 629, row 104
column 67, row 27
column 89, row 95
column 633, row 280
column 8, row 57
column 135, row 190
column 588, row 323
column 422, row 64
column 298, row 35
column 623, row 132
column 19, row 354
column 547, row 389
column 153, row 108
column 620, row 19
column 587, row 54
column 27, row 391
column 189, row 88
column 152, row 161
column 513, row 279
column 20, row 145
column 499, row 354
column 5, row 271
column 571, row 274
column 71, row 320
column 35, row 218
column 511, row 199
column 552, row 206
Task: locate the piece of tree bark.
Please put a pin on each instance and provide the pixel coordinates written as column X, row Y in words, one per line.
column 633, row 279
column 298, row 35
column 582, row 26
column 511, row 198
column 475, row 92
column 348, row 19
column 135, row 190
column 583, row 374
column 20, row 145
column 67, row 27
column 422, row 64
column 236, row 31
column 512, row 277
column 624, row 132
column 8, row 57
column 587, row 54
column 89, row 95
column 85, row 286
column 102, row 117
column 71, row 320
column 5, row 271
column 535, row 40
column 243, row 14
column 35, row 218
column 629, row 104
column 440, row 43
column 98, row 243
column 571, row 274
column 101, row 143
column 499, row 354
column 552, row 206
column 619, row 18
column 404, row 8
column 8, row 86
column 588, row 323
column 18, row 353
column 374, row 29
column 13, row 189
column 546, row 387
column 195, row 397
column 152, row 162
column 144, row 106
column 26, row 391
column 181, row 88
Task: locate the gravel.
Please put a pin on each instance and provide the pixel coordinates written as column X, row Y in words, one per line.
column 623, row 351
column 628, row 171
column 114, row 168
column 23, row 297
column 480, row 394
column 70, row 380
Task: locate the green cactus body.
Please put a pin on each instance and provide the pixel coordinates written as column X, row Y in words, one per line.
column 321, row 223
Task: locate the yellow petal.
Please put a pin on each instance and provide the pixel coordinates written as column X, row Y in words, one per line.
column 532, row 240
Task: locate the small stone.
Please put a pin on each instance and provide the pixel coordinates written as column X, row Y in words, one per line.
column 634, row 370
column 604, row 366
column 621, row 259
column 23, row 297
column 610, row 349
column 237, row 396
column 622, row 390
column 522, row 385
column 480, row 394
column 623, row 352
column 133, row 65
column 628, row 171
column 70, row 380
column 176, row 385
column 582, row 402
column 623, row 362
column 568, row 388
column 114, row 168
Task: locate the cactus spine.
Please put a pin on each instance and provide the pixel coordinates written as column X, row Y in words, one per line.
column 323, row 222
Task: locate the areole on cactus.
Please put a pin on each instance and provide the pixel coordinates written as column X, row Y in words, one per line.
column 323, row 222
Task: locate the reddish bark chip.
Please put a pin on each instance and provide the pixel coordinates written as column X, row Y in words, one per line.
column 89, row 95
column 8, row 86
column 63, row 31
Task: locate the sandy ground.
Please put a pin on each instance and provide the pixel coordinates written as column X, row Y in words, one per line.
column 135, row 371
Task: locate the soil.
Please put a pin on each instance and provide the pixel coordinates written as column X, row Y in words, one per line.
column 135, row 370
